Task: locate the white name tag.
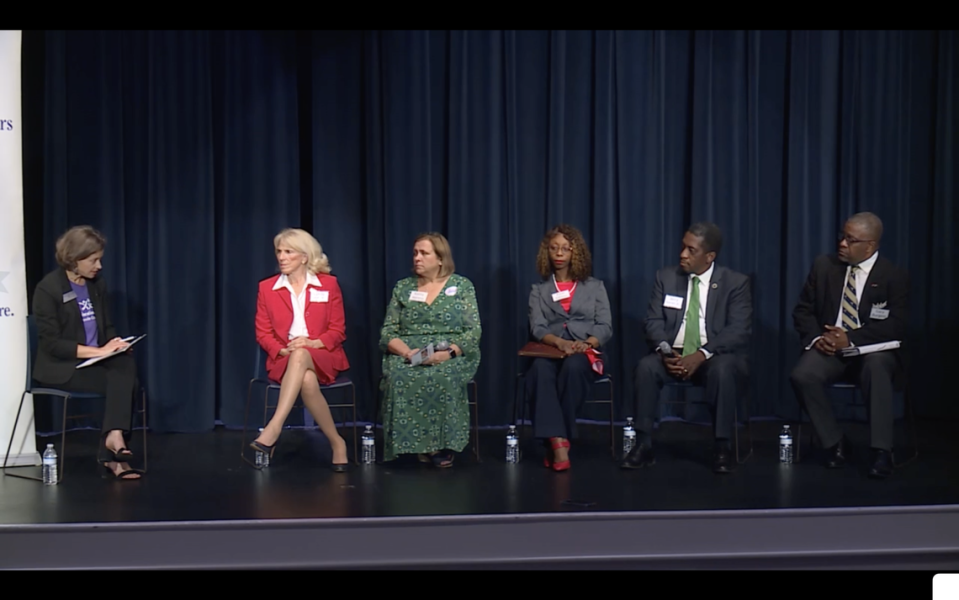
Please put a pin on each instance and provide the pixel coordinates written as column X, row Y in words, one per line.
column 879, row 313
column 417, row 296
column 451, row 291
column 319, row 295
column 671, row 301
column 557, row 296
column 69, row 296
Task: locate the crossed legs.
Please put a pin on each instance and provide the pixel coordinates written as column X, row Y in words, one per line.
column 300, row 380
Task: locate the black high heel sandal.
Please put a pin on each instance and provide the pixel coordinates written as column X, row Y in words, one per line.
column 124, row 475
column 264, row 448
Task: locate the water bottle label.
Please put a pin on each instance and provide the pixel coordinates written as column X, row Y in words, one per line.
column 786, row 442
column 511, row 442
column 367, row 442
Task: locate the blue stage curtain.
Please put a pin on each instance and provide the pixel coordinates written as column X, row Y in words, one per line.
column 191, row 150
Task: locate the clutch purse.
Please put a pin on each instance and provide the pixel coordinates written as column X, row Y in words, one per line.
column 541, row 350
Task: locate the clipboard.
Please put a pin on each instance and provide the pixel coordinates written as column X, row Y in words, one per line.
column 130, row 340
column 541, row 350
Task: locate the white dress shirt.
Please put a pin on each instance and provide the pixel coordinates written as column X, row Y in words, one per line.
column 298, row 328
column 703, row 297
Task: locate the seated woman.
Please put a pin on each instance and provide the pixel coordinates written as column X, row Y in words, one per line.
column 72, row 312
column 426, row 406
column 301, row 325
column 570, row 310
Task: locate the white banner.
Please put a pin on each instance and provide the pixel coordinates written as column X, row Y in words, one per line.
column 13, row 279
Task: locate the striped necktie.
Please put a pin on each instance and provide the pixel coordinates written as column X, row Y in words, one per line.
column 850, row 307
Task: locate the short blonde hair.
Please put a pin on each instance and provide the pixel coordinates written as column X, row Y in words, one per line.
column 304, row 243
column 442, row 249
column 78, row 243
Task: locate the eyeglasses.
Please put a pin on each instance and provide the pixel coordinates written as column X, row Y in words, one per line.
column 851, row 240
column 563, row 249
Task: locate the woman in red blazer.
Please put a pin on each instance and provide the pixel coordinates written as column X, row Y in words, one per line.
column 301, row 325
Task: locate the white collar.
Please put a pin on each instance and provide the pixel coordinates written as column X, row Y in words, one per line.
column 706, row 276
column 867, row 265
column 284, row 282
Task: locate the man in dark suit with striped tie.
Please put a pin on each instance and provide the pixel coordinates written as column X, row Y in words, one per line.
column 854, row 298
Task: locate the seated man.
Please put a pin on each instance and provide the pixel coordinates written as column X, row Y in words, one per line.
column 854, row 298
column 703, row 313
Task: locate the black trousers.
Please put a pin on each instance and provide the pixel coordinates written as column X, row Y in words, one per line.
column 723, row 376
column 556, row 389
column 116, row 379
column 875, row 373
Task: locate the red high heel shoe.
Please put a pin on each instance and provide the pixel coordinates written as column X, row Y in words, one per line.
column 548, row 459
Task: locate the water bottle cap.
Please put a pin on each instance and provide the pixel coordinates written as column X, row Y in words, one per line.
column 49, row 445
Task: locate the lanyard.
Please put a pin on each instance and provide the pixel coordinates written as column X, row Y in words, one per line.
column 571, row 290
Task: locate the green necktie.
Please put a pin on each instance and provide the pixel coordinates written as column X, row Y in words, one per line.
column 691, row 340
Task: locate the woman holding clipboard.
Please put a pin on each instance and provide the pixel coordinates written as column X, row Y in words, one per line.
column 568, row 310
column 74, row 324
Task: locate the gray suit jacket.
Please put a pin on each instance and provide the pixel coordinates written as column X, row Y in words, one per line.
column 589, row 313
column 729, row 310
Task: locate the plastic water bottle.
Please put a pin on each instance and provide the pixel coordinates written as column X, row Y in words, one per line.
column 262, row 458
column 512, row 446
column 785, row 446
column 50, row 465
column 629, row 436
column 369, row 446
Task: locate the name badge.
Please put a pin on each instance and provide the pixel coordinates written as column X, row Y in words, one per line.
column 557, row 296
column 71, row 295
column 879, row 313
column 319, row 295
column 671, row 301
column 417, row 296
column 451, row 291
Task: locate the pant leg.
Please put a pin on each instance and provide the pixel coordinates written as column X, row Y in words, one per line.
column 812, row 373
column 876, row 372
column 649, row 377
column 724, row 377
column 116, row 379
column 546, row 411
column 573, row 383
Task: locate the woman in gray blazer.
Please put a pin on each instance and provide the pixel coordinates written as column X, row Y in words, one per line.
column 569, row 310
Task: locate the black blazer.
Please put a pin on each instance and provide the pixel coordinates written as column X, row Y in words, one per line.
column 729, row 310
column 589, row 312
column 60, row 327
column 887, row 288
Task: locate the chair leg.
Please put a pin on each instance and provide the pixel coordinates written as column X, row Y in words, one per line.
column 13, row 434
column 246, row 421
column 910, row 419
column 612, row 424
column 749, row 433
column 356, row 448
column 143, row 411
column 476, row 441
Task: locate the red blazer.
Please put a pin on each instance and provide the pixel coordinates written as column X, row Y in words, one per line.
column 324, row 320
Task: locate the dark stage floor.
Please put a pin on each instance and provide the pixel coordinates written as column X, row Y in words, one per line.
column 200, row 477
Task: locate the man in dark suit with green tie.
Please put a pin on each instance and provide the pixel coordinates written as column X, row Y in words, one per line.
column 698, row 326
column 853, row 298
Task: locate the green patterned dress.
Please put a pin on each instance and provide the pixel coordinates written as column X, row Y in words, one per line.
column 425, row 409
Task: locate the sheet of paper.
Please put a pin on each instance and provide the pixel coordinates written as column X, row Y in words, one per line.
column 870, row 348
column 422, row 355
column 92, row 361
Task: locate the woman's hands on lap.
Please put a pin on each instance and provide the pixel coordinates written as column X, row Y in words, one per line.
column 301, row 342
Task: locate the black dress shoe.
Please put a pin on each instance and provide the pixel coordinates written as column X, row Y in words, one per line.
column 640, row 456
column 723, row 458
column 836, row 455
column 881, row 464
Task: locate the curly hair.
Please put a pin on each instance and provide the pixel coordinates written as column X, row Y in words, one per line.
column 581, row 264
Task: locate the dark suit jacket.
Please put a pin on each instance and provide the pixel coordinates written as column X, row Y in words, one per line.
column 589, row 312
column 60, row 327
column 729, row 310
column 818, row 305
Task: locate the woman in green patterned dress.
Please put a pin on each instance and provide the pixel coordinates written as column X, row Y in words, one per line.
column 425, row 407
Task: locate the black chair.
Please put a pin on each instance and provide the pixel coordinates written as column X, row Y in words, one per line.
column 473, row 403
column 849, row 385
column 259, row 376
column 682, row 386
column 35, row 391
column 521, row 407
